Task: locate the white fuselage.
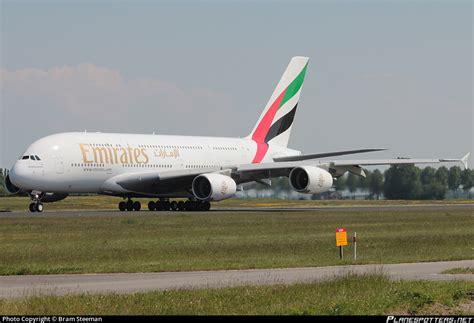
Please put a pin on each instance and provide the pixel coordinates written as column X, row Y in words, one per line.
column 83, row 162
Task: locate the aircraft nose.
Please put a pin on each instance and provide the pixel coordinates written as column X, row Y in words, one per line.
column 19, row 174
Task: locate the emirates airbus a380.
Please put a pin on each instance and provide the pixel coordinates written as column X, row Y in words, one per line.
column 201, row 169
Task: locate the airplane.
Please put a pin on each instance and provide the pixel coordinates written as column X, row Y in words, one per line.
column 199, row 169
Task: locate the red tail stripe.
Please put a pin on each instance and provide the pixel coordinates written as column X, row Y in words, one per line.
column 266, row 122
column 263, row 127
column 262, row 148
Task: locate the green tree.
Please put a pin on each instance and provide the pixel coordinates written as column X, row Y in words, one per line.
column 340, row 183
column 442, row 175
column 2, row 182
column 376, row 183
column 467, row 180
column 427, row 175
column 352, row 184
column 432, row 188
column 402, row 182
column 454, row 179
column 363, row 182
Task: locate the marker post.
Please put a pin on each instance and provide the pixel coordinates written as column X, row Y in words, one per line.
column 354, row 239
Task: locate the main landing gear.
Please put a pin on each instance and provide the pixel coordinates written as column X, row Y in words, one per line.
column 179, row 206
column 165, row 205
column 130, row 205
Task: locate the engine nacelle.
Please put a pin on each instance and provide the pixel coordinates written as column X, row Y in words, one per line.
column 213, row 187
column 310, row 179
column 12, row 189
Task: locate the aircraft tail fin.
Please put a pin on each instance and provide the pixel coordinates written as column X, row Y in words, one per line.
column 276, row 120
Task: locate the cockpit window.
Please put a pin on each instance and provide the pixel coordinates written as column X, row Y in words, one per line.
column 32, row 157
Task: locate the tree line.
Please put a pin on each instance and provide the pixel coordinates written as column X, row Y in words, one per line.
column 3, row 174
column 399, row 182
column 408, row 182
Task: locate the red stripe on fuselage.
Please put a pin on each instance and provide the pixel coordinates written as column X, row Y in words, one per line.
column 263, row 127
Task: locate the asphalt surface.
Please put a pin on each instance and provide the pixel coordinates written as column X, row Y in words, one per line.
column 19, row 286
column 369, row 208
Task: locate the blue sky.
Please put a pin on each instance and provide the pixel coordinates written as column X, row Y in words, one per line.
column 381, row 74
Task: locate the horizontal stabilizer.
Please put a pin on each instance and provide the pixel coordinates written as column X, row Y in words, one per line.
column 322, row 155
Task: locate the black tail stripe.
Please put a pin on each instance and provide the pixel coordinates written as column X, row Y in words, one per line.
column 281, row 125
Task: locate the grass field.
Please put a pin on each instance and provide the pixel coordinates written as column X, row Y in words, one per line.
column 353, row 294
column 111, row 203
column 179, row 241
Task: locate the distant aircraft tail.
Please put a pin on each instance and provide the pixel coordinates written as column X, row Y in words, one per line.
column 274, row 124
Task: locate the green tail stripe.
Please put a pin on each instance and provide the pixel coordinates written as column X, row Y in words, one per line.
column 294, row 86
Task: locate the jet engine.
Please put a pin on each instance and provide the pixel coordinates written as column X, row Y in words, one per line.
column 12, row 189
column 213, row 187
column 310, row 179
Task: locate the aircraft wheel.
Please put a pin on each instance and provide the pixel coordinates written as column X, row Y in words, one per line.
column 174, row 206
column 188, row 206
column 197, row 206
column 129, row 206
column 152, row 206
column 206, row 206
column 181, row 206
column 166, row 206
column 39, row 207
column 32, row 207
column 137, row 206
column 122, row 206
column 159, row 206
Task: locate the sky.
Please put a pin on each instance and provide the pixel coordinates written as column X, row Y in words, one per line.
column 396, row 75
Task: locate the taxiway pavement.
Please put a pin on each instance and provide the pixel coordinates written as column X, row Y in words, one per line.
column 26, row 285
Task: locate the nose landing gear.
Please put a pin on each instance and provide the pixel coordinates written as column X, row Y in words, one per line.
column 36, row 205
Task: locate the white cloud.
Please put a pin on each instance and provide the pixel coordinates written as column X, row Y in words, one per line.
column 37, row 102
column 87, row 88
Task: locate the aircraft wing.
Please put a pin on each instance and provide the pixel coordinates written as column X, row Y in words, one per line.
column 339, row 167
column 398, row 161
column 155, row 182
column 180, row 180
column 323, row 155
column 283, row 168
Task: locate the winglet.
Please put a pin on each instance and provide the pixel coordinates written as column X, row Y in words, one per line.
column 465, row 159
